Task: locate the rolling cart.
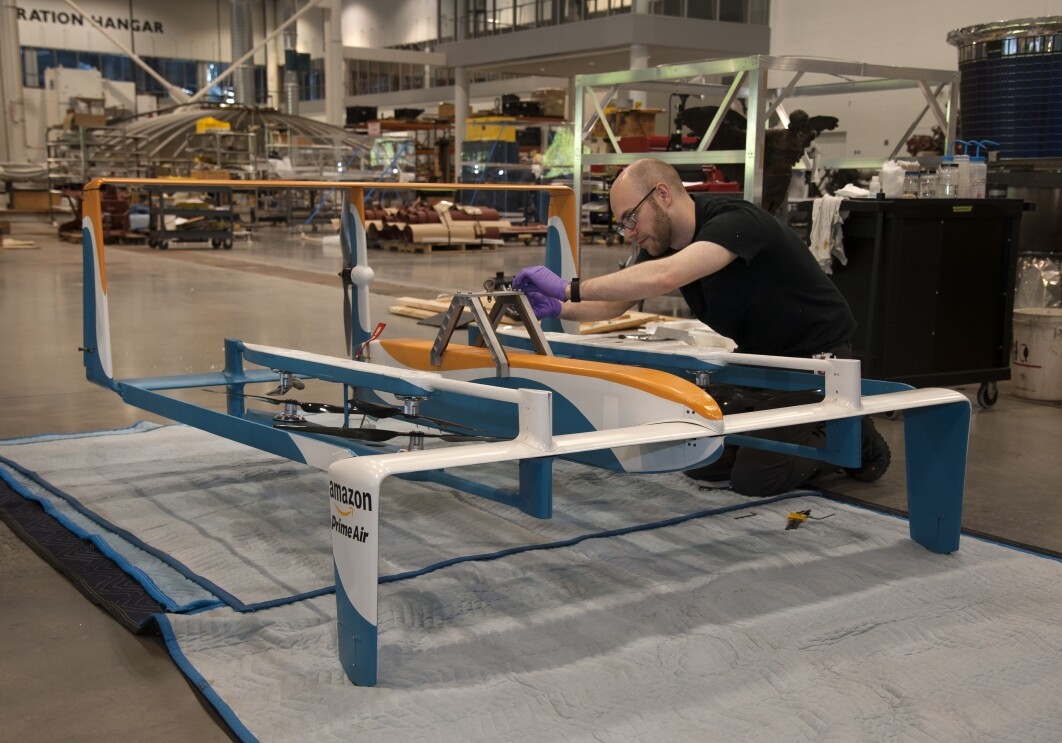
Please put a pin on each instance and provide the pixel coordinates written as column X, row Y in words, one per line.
column 931, row 284
column 206, row 215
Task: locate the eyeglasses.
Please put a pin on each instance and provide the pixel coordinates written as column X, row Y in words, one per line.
column 629, row 220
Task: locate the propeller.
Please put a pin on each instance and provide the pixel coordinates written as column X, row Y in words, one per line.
column 348, row 285
column 309, row 407
column 357, row 407
column 348, row 288
column 376, row 434
column 380, row 410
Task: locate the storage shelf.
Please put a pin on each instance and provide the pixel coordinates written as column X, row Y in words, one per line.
column 747, row 78
column 78, row 155
column 221, row 149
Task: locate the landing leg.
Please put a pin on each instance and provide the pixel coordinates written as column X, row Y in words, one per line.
column 935, row 441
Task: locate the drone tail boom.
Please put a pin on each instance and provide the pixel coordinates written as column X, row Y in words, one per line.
column 96, row 334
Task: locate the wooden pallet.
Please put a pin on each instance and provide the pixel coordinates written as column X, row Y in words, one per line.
column 404, row 247
column 421, row 309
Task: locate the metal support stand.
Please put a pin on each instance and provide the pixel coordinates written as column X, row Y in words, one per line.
column 488, row 324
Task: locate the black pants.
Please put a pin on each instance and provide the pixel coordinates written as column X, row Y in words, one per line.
column 760, row 473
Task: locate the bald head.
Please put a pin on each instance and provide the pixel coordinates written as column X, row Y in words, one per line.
column 667, row 219
column 645, row 173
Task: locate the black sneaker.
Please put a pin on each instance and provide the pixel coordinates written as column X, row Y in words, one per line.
column 876, row 455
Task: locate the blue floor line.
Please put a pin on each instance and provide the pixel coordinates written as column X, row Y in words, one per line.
column 593, row 535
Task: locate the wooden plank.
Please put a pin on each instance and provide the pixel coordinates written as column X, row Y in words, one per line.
column 421, row 308
column 407, row 247
column 626, row 321
column 407, row 311
column 407, row 306
column 434, row 305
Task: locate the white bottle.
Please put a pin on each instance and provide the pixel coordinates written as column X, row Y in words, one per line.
column 875, row 187
column 978, row 177
column 962, row 184
column 979, row 169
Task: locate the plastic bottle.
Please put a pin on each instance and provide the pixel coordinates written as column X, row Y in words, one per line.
column 978, row 177
column 948, row 178
column 911, row 184
column 927, row 184
column 962, row 170
column 979, row 170
column 875, row 187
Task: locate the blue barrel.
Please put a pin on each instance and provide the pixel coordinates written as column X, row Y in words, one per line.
column 1010, row 88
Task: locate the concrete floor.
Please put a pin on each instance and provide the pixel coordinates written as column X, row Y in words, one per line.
column 70, row 672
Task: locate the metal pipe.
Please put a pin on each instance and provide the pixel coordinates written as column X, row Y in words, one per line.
column 276, row 32
column 335, row 67
column 291, row 74
column 241, row 35
column 12, row 103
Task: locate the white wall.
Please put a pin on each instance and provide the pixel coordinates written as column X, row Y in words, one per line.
column 906, row 33
column 383, row 23
column 191, row 29
column 371, row 24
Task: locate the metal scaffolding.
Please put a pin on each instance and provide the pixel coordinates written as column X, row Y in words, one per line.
column 765, row 83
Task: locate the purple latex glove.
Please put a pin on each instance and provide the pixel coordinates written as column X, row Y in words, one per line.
column 542, row 305
column 542, row 280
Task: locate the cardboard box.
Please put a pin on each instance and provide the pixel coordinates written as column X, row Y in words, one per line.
column 447, row 111
column 209, row 175
column 34, row 201
column 635, row 122
column 90, row 121
column 87, row 113
column 551, row 100
column 629, row 122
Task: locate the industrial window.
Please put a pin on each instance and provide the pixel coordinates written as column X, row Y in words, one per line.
column 180, row 72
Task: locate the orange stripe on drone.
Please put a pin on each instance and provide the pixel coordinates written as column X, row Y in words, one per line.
column 416, row 354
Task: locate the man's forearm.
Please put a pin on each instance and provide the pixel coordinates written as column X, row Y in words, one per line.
column 628, row 285
column 590, row 311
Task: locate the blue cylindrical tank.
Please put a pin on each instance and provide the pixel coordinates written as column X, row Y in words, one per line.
column 1010, row 88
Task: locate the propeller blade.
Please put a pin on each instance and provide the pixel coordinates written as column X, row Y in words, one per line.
column 375, row 434
column 376, row 410
column 346, row 235
column 309, row 407
column 347, row 290
column 321, row 407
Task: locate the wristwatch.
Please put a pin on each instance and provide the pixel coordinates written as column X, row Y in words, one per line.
column 574, row 295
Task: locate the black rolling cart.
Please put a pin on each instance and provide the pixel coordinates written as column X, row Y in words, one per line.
column 931, row 284
column 210, row 219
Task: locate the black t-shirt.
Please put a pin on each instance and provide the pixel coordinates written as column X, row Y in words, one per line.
column 774, row 299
